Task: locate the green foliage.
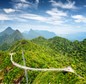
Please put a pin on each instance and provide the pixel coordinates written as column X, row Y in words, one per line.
column 8, row 38
column 45, row 53
column 56, row 78
column 4, row 46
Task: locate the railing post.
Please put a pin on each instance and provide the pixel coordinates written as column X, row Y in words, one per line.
column 25, row 65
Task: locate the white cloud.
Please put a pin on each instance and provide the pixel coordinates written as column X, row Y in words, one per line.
column 55, row 12
column 79, row 18
column 53, row 22
column 21, row 5
column 55, row 17
column 25, row 1
column 4, row 17
column 33, row 17
column 24, row 4
column 22, row 1
column 68, row 5
column 19, row 19
column 36, row 3
column 9, row 10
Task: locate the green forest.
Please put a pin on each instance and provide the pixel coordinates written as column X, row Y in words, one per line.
column 56, row 52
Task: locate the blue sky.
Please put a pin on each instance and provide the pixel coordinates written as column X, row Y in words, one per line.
column 59, row 16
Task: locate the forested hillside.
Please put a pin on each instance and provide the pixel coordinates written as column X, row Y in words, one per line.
column 9, row 37
column 56, row 52
column 42, row 41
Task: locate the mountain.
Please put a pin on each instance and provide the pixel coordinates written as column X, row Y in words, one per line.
column 3, row 38
column 36, row 33
column 15, row 36
column 7, row 31
column 46, row 34
column 31, row 34
column 60, row 44
column 40, row 41
column 75, row 36
column 55, row 52
column 8, row 37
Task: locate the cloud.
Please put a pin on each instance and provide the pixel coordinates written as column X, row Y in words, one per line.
column 21, row 6
column 9, row 10
column 22, row 1
column 79, row 18
column 84, row 6
column 55, row 12
column 4, row 17
column 55, row 17
column 20, row 19
column 24, row 4
column 25, row 1
column 68, row 5
column 33, row 17
column 37, row 2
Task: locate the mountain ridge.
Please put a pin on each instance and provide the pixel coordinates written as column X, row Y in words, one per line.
column 8, row 37
column 8, row 31
column 75, row 36
column 31, row 34
column 36, row 33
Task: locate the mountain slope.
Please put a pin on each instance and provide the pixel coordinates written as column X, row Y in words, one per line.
column 36, row 33
column 60, row 44
column 56, row 52
column 46, row 34
column 7, row 40
column 7, row 31
column 75, row 36
column 38, row 56
column 76, row 50
column 16, row 36
column 40, row 41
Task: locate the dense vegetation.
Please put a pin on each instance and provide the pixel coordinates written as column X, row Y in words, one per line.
column 8, row 37
column 56, row 52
